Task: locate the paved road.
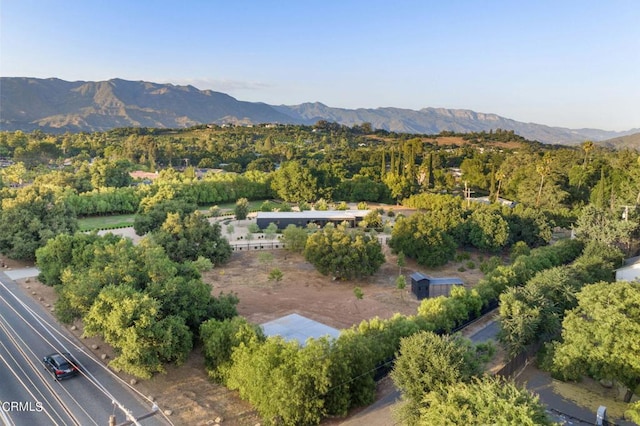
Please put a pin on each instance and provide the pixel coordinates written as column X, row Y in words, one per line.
column 486, row 333
column 28, row 393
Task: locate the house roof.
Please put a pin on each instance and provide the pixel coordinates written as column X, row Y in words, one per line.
column 419, row 276
column 299, row 328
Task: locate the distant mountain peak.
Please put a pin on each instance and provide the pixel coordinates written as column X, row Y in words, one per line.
column 55, row 105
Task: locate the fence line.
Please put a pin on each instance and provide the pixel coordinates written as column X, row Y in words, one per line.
column 246, row 245
column 256, row 245
column 517, row 363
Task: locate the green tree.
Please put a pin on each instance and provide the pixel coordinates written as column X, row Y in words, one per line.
column 265, row 258
column 192, row 236
column 242, row 209
column 600, row 336
column 282, row 380
column 33, row 217
column 401, row 262
column 270, row 231
column 520, row 248
column 105, row 173
column 483, row 401
column 220, row 338
column 294, row 238
column 419, row 237
column 68, row 251
column 14, row 174
column 343, row 253
column 400, row 186
column 129, row 321
column 596, row 224
column 294, row 183
column 372, row 220
column 152, row 218
column 488, row 230
column 321, row 205
column 428, row 362
column 401, row 284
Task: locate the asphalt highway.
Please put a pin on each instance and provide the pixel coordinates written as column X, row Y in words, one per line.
column 29, row 395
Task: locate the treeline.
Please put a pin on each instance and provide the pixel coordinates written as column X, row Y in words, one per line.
column 212, row 189
column 534, row 312
column 445, row 223
column 384, row 166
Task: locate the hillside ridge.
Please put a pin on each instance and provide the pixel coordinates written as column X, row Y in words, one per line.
column 57, row 106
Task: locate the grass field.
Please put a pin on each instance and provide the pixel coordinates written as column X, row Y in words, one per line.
column 105, row 222
column 123, row 220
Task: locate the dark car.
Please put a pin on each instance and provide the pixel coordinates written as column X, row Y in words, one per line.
column 61, row 365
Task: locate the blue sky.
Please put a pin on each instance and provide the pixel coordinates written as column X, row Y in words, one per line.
column 561, row 63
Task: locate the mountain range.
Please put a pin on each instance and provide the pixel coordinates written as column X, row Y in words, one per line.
column 57, row 106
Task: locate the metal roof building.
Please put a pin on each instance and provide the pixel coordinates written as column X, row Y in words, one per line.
column 424, row 286
column 304, row 218
column 298, row 328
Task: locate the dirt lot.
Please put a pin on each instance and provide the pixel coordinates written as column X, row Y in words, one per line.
column 186, row 391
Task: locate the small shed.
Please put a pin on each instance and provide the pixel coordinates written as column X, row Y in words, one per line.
column 424, row 286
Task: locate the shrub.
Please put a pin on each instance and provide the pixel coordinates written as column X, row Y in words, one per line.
column 490, row 264
column 275, row 275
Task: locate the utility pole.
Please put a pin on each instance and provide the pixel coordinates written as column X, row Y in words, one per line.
column 134, row 420
column 467, row 193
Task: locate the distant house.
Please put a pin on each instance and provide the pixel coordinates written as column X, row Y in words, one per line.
column 304, row 218
column 144, row 176
column 630, row 271
column 424, row 286
column 486, row 200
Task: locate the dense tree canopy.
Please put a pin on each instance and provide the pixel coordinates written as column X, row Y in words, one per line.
column 420, row 238
column 192, row 236
column 343, row 253
column 152, row 218
column 602, row 225
column 486, row 401
column 428, row 362
column 294, row 182
column 488, row 230
column 33, row 217
column 335, row 163
column 130, row 321
column 283, row 381
column 139, row 300
column 600, row 336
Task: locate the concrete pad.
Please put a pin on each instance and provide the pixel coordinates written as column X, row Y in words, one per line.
column 299, row 328
column 18, row 274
